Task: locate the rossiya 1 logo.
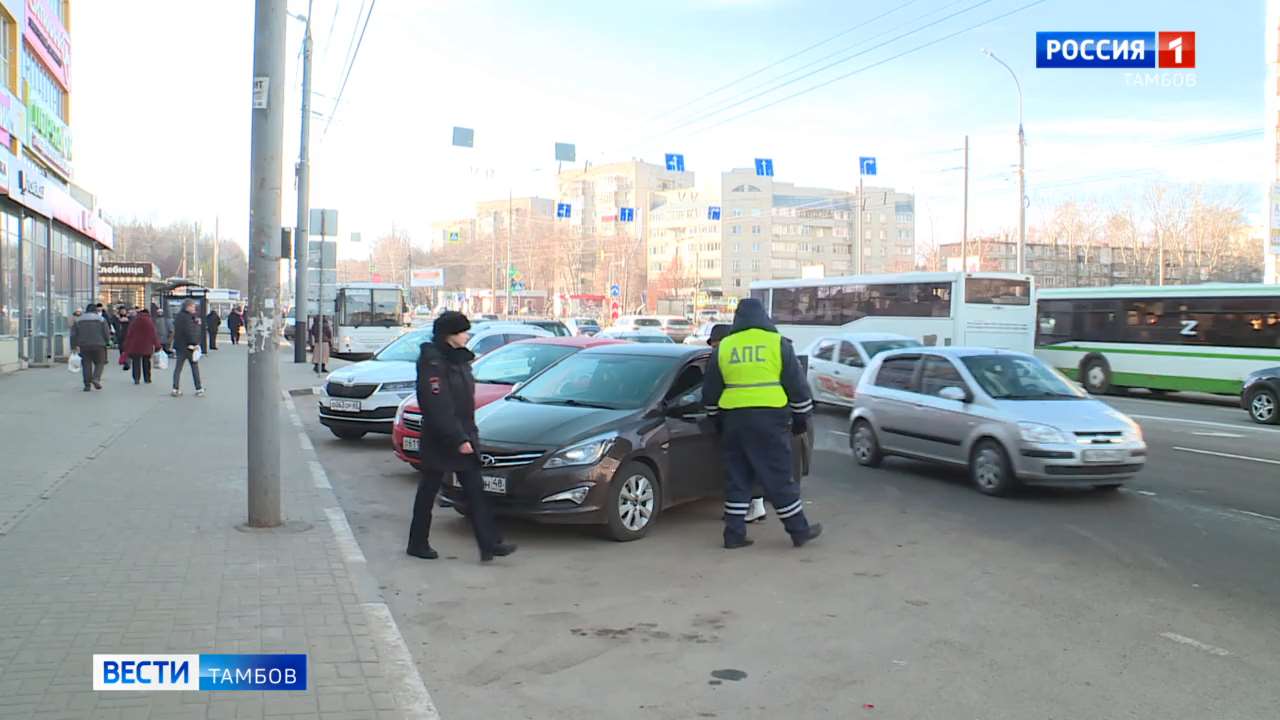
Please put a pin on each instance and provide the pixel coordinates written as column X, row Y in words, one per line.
column 1168, row 50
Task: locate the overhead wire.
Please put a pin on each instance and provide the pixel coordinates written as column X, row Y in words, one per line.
column 350, row 66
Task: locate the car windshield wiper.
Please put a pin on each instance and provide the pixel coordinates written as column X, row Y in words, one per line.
column 486, row 381
column 517, row 398
column 579, row 403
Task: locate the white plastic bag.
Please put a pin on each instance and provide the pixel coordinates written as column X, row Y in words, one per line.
column 74, row 363
column 161, row 360
column 196, row 355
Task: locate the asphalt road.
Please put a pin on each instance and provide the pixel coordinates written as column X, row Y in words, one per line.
column 923, row 599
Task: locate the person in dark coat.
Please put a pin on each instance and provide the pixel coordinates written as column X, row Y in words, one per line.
column 450, row 440
column 320, row 335
column 212, row 322
column 235, row 322
column 140, row 343
column 121, row 326
column 90, row 337
column 188, row 333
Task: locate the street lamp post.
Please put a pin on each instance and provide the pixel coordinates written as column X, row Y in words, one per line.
column 1022, row 167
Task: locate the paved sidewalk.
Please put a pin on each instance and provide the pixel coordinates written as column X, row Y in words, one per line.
column 120, row 516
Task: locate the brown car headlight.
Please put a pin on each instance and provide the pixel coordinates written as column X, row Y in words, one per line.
column 587, row 452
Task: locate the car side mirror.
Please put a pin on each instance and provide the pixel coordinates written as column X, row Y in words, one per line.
column 684, row 405
column 955, row 393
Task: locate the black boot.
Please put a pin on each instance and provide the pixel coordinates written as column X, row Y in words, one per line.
column 499, row 550
column 426, row 553
column 735, row 544
column 315, row 369
column 814, row 531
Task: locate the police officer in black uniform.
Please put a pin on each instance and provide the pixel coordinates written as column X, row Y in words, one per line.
column 446, row 394
column 756, row 390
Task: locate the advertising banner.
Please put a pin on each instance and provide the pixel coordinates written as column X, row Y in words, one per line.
column 428, row 277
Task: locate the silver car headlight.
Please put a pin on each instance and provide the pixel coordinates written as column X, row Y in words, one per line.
column 1037, row 433
column 576, row 495
column 400, row 386
column 587, row 452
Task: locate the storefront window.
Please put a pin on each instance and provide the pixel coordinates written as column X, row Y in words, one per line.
column 8, row 277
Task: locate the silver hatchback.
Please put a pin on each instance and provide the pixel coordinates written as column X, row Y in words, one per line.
column 1006, row 416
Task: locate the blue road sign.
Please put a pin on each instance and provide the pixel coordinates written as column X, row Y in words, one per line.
column 614, row 290
column 464, row 137
column 564, row 210
column 453, row 236
column 713, row 212
column 675, row 162
column 867, row 166
column 566, row 152
column 626, row 214
column 764, row 167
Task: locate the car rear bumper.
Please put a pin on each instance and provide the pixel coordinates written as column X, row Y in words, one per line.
column 1065, row 465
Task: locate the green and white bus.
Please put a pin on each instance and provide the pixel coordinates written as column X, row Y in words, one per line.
column 1203, row 338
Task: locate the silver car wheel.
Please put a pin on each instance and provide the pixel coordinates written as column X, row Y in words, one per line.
column 1263, row 408
column 862, row 444
column 635, row 502
column 1097, row 376
column 988, row 470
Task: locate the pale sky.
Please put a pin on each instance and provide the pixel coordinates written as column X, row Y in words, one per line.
column 161, row 102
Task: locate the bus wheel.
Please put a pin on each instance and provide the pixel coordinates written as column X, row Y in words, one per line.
column 1095, row 374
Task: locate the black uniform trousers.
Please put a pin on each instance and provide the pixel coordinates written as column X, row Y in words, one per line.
column 757, row 451
column 479, row 510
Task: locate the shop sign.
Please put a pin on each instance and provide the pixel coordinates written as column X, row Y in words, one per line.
column 13, row 114
column 30, row 183
column 133, row 273
column 48, row 135
column 46, row 34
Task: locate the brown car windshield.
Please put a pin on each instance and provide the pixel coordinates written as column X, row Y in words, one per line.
column 616, row 382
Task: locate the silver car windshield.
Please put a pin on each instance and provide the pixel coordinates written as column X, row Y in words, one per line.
column 1008, row 377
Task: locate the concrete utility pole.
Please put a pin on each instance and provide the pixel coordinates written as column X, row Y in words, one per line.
column 509, row 278
column 215, row 252
column 266, row 153
column 857, row 244
column 300, row 235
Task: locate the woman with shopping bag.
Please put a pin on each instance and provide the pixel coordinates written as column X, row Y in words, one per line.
column 139, row 345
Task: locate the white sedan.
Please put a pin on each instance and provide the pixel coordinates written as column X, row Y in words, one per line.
column 836, row 362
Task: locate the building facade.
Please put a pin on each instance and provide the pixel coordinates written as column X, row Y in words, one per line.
column 51, row 232
column 768, row 229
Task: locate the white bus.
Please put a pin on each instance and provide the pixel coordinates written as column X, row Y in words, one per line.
column 367, row 316
column 1203, row 338
column 938, row 308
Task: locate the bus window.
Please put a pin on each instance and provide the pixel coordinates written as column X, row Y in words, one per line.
column 997, row 291
column 387, row 310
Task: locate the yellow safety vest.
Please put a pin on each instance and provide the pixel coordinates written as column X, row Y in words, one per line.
column 751, row 363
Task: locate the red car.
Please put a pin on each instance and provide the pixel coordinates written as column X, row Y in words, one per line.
column 496, row 374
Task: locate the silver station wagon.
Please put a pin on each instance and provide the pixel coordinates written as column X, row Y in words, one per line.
column 1006, row 416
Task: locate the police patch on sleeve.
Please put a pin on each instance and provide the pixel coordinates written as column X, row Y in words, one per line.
column 435, row 385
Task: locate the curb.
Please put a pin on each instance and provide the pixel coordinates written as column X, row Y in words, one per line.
column 410, row 690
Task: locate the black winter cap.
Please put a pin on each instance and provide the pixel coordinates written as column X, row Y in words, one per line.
column 718, row 332
column 450, row 322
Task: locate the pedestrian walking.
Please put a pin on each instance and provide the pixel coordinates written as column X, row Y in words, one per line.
column 446, row 394
column 757, row 392
column 90, row 337
column 164, row 327
column 235, row 323
column 320, row 335
column 120, row 325
column 212, row 322
column 757, row 512
column 188, row 333
column 141, row 343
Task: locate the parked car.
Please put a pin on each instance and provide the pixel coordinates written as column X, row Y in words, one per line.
column 677, row 328
column 637, row 322
column 641, row 335
column 1261, row 395
column 555, row 327
column 700, row 335
column 582, row 326
column 836, row 362
column 1006, row 416
column 708, row 316
column 610, row 436
column 363, row 398
column 496, row 374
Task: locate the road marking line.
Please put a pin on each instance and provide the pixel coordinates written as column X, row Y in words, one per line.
column 1257, row 515
column 346, row 540
column 409, row 689
column 1217, row 434
column 318, row 476
column 1226, row 455
column 1231, row 426
column 306, row 443
column 1211, row 649
column 839, row 432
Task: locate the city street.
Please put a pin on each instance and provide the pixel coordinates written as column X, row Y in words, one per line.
column 924, row 599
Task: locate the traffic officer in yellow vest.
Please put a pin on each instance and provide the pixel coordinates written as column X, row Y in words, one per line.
column 756, row 391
